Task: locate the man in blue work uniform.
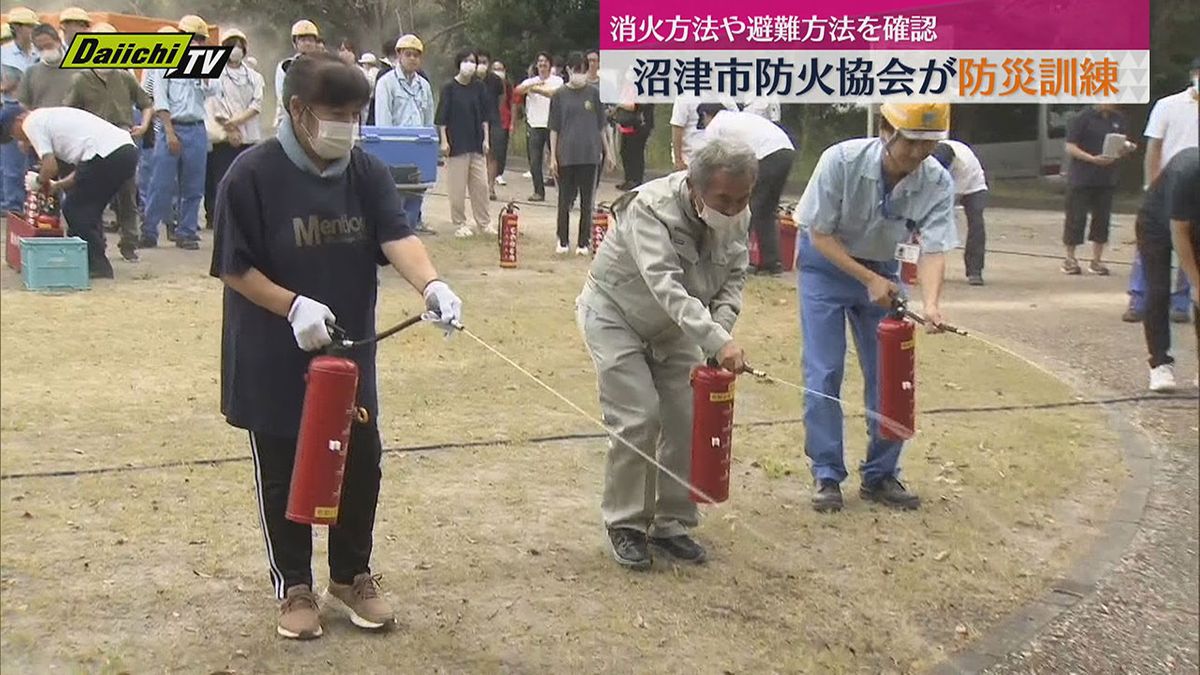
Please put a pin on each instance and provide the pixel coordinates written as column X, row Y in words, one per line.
column 865, row 199
column 180, row 150
column 404, row 98
column 15, row 57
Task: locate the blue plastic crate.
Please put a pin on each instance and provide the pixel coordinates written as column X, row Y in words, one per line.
column 410, row 152
column 54, row 264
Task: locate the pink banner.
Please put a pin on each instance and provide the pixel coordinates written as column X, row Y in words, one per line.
column 875, row 24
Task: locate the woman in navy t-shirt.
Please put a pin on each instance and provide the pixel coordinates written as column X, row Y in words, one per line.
column 302, row 223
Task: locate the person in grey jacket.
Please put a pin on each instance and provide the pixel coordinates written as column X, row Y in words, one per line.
column 663, row 294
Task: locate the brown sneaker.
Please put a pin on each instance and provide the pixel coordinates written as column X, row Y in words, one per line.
column 298, row 614
column 362, row 601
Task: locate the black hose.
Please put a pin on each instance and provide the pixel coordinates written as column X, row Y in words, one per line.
column 558, row 438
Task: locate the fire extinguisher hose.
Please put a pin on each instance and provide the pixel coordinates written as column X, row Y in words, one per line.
column 342, row 342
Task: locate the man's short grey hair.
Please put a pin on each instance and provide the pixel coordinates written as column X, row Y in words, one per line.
column 722, row 154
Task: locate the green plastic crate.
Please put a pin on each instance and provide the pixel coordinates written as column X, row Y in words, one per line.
column 54, row 264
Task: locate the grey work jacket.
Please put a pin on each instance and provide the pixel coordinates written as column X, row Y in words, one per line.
column 666, row 271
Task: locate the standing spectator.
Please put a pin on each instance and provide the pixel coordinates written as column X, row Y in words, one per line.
column 234, row 112
column 686, row 135
column 15, row 58
column 1091, row 181
column 347, row 53
column 1185, row 238
column 609, row 131
column 73, row 21
column 180, row 150
column 1170, row 129
column 305, row 38
column 112, row 95
column 404, row 98
column 104, row 158
column 494, row 92
column 537, row 91
column 634, row 122
column 971, row 190
column 1174, row 184
column 462, row 117
column 577, row 147
column 502, row 130
column 368, row 63
column 44, row 84
column 775, row 153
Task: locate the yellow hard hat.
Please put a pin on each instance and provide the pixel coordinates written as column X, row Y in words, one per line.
column 167, row 29
column 5, row 31
column 233, row 33
column 304, row 27
column 22, row 16
column 102, row 27
column 74, row 14
column 193, row 24
column 410, row 41
column 919, row 121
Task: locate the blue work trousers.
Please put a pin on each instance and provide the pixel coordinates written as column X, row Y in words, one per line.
column 1181, row 300
column 14, row 164
column 182, row 174
column 828, row 298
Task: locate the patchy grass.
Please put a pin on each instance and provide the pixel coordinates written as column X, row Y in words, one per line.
column 494, row 556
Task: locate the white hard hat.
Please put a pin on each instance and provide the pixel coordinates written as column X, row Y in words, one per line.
column 368, row 57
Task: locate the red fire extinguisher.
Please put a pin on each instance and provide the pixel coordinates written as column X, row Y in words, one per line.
column 712, row 433
column 324, row 443
column 897, row 381
column 508, row 235
column 897, row 377
column 600, row 221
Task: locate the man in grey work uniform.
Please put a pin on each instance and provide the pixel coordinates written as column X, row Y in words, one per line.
column 662, row 294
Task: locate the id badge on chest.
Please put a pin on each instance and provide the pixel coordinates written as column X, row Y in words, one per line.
column 908, row 253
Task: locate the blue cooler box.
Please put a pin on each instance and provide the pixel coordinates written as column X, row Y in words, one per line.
column 54, row 264
column 410, row 152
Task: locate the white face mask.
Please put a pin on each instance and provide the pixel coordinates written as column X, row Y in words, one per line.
column 739, row 222
column 52, row 56
column 466, row 69
column 481, row 70
column 237, row 54
column 333, row 140
column 499, row 73
column 578, row 80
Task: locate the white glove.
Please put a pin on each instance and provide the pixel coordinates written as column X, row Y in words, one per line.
column 445, row 309
column 308, row 318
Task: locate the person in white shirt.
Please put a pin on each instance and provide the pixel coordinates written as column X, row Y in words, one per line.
column 1172, row 127
column 775, row 154
column 232, row 116
column 104, row 158
column 765, row 106
column 685, row 134
column 537, row 91
column 971, row 190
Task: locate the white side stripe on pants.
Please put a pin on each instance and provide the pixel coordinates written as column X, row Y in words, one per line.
column 276, row 575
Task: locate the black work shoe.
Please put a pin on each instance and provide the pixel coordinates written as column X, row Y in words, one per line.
column 188, row 244
column 537, row 198
column 128, row 254
column 681, row 547
column 147, row 242
column 629, row 548
column 975, row 279
column 889, row 492
column 1180, row 316
column 827, row 496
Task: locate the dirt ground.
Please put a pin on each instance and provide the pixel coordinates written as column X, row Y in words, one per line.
column 494, row 555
